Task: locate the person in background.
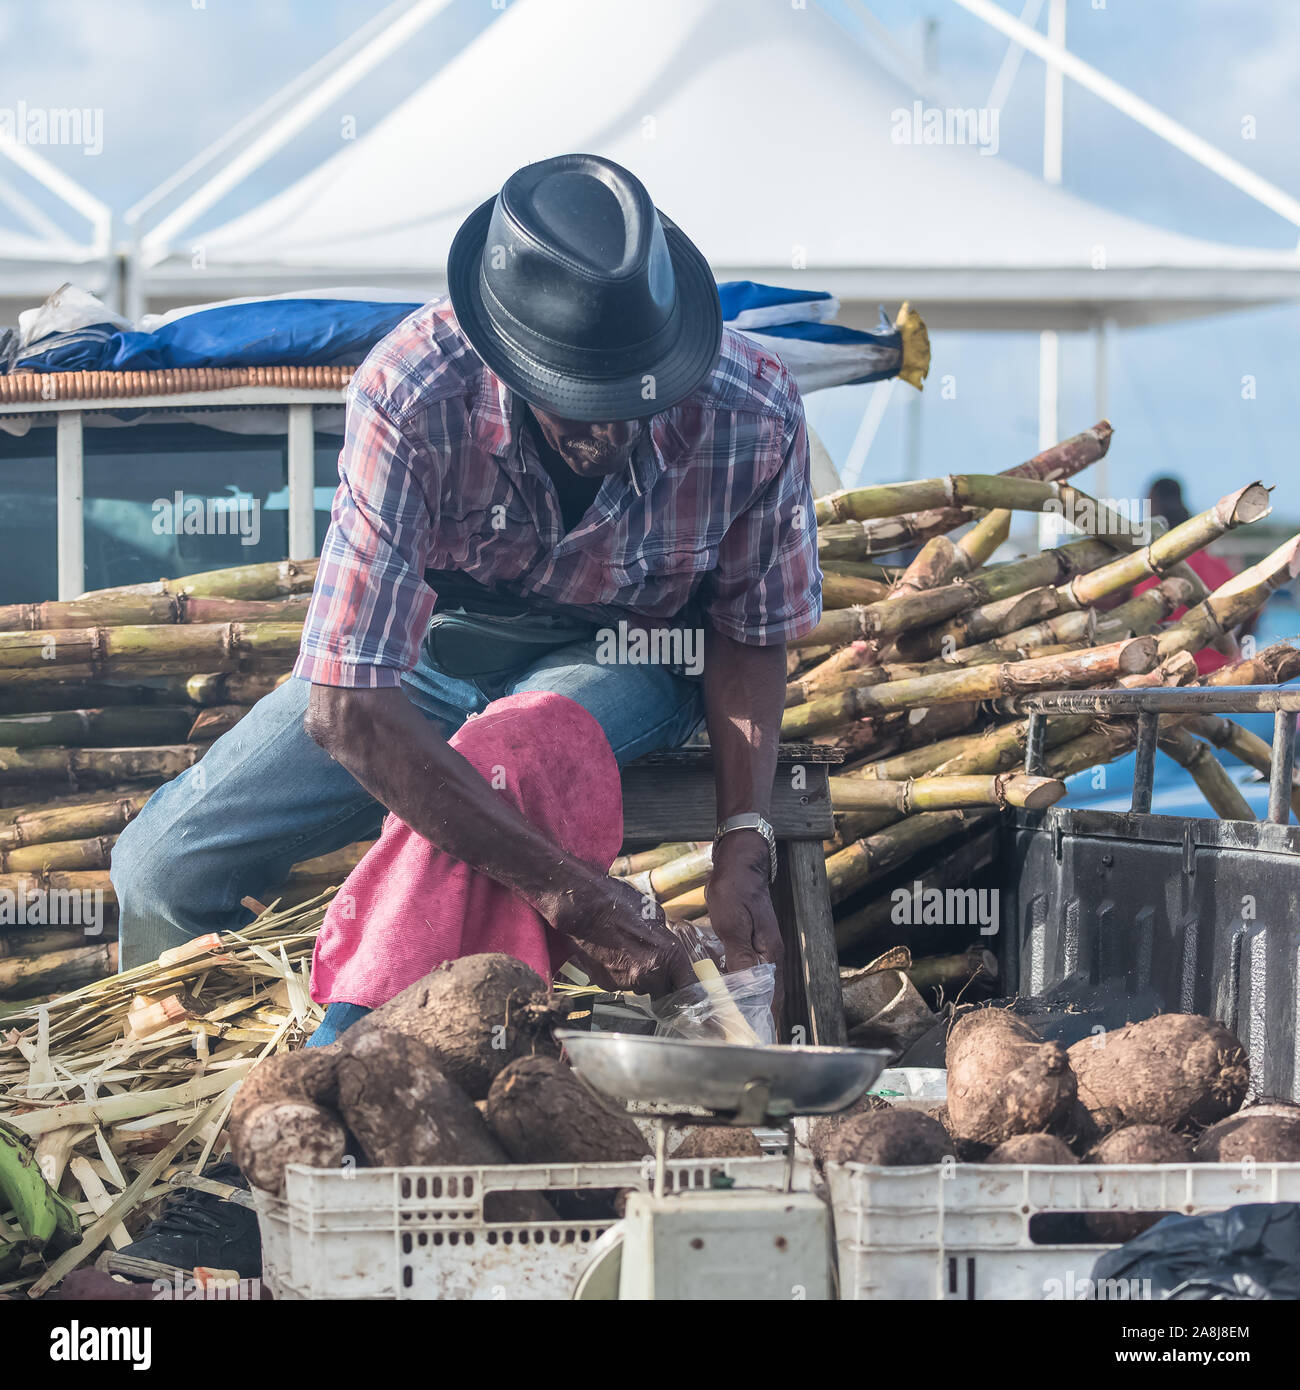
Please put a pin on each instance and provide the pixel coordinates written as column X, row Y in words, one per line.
column 1166, row 500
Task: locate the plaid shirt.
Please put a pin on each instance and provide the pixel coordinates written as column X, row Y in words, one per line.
column 435, row 473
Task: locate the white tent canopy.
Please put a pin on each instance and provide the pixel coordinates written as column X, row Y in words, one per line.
column 767, row 132
column 31, row 267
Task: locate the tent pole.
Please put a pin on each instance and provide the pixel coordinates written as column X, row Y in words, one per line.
column 1049, row 431
column 1101, row 396
column 877, row 403
column 301, row 449
column 69, row 474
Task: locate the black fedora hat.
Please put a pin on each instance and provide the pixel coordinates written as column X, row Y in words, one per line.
column 581, row 296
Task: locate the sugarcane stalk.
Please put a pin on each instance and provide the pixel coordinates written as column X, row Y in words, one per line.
column 1085, row 667
column 1003, row 747
column 1143, row 613
column 1061, row 461
column 267, row 580
column 937, row 562
column 232, row 687
column 48, row 696
column 944, row 793
column 37, row 941
column 686, row 906
column 1247, row 504
column 96, row 728
column 116, row 650
column 62, row 892
column 859, row 569
column 1273, row 665
column 57, row 970
column 1246, row 747
column 678, row 875
column 49, row 824
column 629, row 865
column 92, row 853
column 873, row 923
column 1209, row 774
column 869, row 859
column 979, row 543
column 854, row 656
column 82, row 768
column 953, row 972
column 843, row 591
column 110, row 610
column 1233, row 601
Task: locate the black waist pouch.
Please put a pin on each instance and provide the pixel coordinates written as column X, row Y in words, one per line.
column 477, row 632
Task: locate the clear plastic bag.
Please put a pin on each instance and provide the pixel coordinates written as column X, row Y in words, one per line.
column 722, row 1008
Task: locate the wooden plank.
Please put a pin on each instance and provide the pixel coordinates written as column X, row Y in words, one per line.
column 678, row 802
column 812, row 974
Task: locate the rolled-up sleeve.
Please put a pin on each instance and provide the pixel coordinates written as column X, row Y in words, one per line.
column 767, row 586
column 370, row 605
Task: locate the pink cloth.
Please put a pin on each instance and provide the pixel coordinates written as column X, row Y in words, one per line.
column 408, row 907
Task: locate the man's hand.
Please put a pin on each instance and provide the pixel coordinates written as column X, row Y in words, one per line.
column 624, row 940
column 739, row 900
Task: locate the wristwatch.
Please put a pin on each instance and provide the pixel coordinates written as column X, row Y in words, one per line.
column 751, row 820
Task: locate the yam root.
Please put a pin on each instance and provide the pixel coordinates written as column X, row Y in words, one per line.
column 1032, row 1148
column 1141, row 1144
column 718, row 1141
column 275, row 1133
column 889, row 1138
column 477, row 1015
column 1180, row 1071
column 1003, row 1079
column 823, row 1127
column 307, row 1074
column 541, row 1113
column 1263, row 1133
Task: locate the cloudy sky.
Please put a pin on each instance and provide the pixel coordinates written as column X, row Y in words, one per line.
column 171, row 76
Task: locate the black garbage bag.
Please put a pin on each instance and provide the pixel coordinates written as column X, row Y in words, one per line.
column 1245, row 1252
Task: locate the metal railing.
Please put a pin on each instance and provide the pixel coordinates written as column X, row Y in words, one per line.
column 1148, row 704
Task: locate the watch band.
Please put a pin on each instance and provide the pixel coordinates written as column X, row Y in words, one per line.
column 751, row 820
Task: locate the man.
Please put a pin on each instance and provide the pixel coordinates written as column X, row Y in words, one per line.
column 570, row 441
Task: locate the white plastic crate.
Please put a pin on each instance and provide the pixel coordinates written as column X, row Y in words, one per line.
column 395, row 1233
column 961, row 1230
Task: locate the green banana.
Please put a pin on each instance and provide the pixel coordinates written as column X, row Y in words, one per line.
column 40, row 1211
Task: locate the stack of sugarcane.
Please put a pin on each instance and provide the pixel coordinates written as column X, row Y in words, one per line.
column 103, row 699
column 916, row 671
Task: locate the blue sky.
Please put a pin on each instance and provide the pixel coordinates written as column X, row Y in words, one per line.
column 173, row 75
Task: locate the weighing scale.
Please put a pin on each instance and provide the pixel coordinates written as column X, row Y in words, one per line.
column 719, row 1242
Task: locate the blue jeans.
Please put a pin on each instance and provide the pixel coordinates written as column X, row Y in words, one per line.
column 265, row 796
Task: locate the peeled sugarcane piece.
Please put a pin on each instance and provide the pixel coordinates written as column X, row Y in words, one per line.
column 1247, row 504
column 79, row 768
column 1209, row 774
column 477, row 1014
column 110, row 610
column 1003, row 1079
column 842, row 591
column 871, row 858
column 268, row 580
column 954, row 972
column 973, row 490
column 231, row 687
column 54, row 972
column 542, row 1113
column 629, row 865
column 1004, row 598
column 93, row 853
column 1173, row 1070
column 875, row 920
column 113, row 727
column 726, row 1014
column 211, row 723
column 154, row 650
column 1233, row 601
column 85, row 817
column 1080, row 668
column 932, row 606
column 944, row 793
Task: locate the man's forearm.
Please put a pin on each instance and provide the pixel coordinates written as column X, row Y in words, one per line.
column 403, row 761
column 744, row 697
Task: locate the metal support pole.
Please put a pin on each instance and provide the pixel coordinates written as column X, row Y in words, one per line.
column 302, row 483
column 1281, row 768
column 1035, row 739
column 69, row 473
column 1144, row 768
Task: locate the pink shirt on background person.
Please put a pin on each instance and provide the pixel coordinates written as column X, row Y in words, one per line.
column 407, row 907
